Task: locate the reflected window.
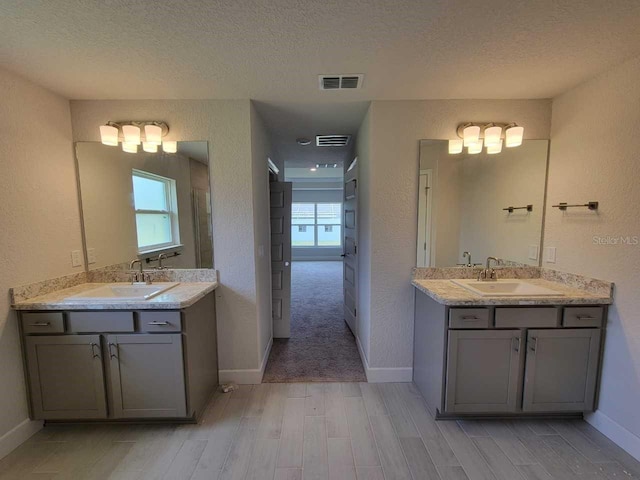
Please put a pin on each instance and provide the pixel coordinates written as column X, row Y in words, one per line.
column 324, row 220
column 155, row 204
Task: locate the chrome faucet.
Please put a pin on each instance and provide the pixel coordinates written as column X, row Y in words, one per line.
column 467, row 255
column 488, row 274
column 141, row 276
column 161, row 257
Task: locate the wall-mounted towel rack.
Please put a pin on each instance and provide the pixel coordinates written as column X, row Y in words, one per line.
column 168, row 255
column 590, row 205
column 528, row 208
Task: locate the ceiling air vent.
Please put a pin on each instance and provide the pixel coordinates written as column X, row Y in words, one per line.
column 340, row 82
column 332, row 140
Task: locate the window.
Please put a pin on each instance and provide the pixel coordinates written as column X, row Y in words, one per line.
column 316, row 224
column 155, row 205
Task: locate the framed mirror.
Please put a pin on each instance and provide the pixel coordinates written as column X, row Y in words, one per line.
column 141, row 205
column 471, row 207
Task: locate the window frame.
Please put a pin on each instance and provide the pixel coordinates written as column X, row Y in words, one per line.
column 317, row 225
column 170, row 200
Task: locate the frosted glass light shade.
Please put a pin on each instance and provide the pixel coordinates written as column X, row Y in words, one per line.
column 492, row 136
column 153, row 134
column 493, row 149
column 475, row 148
column 109, row 135
column 149, row 147
column 455, row 146
column 129, row 147
column 471, row 135
column 169, row 147
column 131, row 134
column 514, row 136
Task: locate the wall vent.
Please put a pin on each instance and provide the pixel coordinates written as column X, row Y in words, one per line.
column 332, row 140
column 340, row 82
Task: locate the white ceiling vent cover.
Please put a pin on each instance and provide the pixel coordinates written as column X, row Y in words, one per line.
column 332, row 140
column 341, row 81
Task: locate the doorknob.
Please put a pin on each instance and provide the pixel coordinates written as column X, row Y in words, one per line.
column 286, row 264
column 343, row 255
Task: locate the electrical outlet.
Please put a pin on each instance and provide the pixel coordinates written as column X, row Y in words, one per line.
column 91, row 255
column 76, row 258
column 533, row 252
column 550, row 255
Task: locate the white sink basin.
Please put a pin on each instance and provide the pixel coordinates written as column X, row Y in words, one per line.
column 119, row 292
column 506, row 288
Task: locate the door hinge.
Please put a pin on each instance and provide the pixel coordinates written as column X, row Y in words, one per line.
column 355, row 312
column 355, row 249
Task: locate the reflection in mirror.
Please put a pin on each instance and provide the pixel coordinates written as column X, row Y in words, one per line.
column 141, row 205
column 464, row 200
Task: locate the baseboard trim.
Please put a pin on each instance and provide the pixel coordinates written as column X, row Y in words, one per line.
column 246, row 376
column 18, row 435
column 616, row 433
column 383, row 375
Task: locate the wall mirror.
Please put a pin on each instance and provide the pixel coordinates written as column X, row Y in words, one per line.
column 141, row 205
column 482, row 204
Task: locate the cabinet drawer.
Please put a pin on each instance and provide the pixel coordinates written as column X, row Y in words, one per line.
column 44, row 322
column 469, row 318
column 583, row 317
column 160, row 321
column 528, row 317
column 80, row 322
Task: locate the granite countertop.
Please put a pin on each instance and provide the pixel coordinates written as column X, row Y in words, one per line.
column 182, row 295
column 448, row 293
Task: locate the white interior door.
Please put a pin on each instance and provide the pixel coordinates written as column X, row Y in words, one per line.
column 424, row 219
column 280, row 199
column 350, row 245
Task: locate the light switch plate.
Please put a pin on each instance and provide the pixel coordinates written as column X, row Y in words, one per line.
column 76, row 258
column 91, row 255
column 533, row 252
column 550, row 255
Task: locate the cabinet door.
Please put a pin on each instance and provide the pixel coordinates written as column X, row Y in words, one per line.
column 66, row 377
column 483, row 368
column 147, row 375
column 561, row 370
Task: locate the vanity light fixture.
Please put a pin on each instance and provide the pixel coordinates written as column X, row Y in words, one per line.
column 129, row 147
column 169, row 147
column 514, row 135
column 153, row 134
column 493, row 135
column 149, row 147
column 109, row 135
column 131, row 134
column 475, row 148
column 455, row 146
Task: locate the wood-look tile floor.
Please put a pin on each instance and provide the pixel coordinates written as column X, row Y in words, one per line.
column 322, row 431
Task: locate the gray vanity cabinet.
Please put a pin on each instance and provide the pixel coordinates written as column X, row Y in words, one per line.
column 66, row 378
column 483, row 370
column 147, row 376
column 561, row 370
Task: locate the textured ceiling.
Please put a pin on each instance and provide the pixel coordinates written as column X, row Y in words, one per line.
column 273, row 50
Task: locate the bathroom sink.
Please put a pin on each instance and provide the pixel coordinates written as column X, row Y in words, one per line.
column 506, row 288
column 119, row 292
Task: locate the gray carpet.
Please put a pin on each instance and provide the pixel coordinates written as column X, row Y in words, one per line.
column 321, row 347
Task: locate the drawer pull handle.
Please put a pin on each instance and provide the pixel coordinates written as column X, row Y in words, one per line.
column 93, row 351
column 111, row 354
column 585, row 317
column 516, row 344
column 534, row 344
column 40, row 324
column 470, row 318
column 158, row 323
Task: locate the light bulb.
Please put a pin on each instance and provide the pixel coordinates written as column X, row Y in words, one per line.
column 475, row 148
column 129, row 147
column 514, row 136
column 169, row 147
column 313, row 169
column 455, row 146
column 492, row 136
column 471, row 135
column 149, row 147
column 153, row 134
column 493, row 149
column 109, row 135
column 131, row 134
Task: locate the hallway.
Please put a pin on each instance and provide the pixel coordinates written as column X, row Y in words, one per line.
column 321, row 347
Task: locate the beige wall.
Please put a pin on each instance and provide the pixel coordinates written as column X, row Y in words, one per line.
column 38, row 214
column 389, row 211
column 595, row 156
column 226, row 125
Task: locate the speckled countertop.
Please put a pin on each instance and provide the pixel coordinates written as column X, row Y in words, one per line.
column 182, row 295
column 446, row 292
